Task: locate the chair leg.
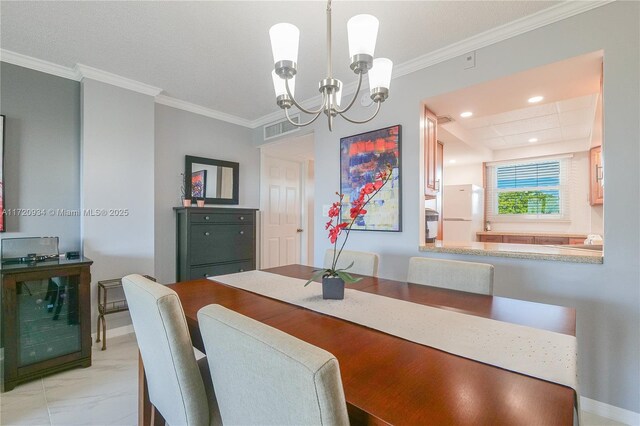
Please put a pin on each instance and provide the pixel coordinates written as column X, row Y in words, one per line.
column 98, row 329
column 156, row 417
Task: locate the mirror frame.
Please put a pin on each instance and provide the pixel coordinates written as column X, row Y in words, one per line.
column 189, row 160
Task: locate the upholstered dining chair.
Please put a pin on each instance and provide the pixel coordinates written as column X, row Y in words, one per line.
column 452, row 274
column 364, row 263
column 179, row 386
column 265, row 376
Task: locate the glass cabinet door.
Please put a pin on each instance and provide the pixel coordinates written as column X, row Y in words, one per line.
column 47, row 318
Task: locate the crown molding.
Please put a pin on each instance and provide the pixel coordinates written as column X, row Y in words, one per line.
column 528, row 23
column 38, row 65
column 495, row 35
column 116, row 80
column 207, row 112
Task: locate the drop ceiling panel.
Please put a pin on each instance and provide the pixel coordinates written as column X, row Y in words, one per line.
column 523, row 113
column 577, row 103
column 576, row 132
column 528, row 125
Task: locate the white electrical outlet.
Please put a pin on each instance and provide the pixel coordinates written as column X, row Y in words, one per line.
column 470, row 60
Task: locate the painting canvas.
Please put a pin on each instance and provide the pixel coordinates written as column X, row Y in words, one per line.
column 2, row 218
column 199, row 184
column 361, row 158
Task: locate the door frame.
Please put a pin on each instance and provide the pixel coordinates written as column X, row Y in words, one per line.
column 306, row 250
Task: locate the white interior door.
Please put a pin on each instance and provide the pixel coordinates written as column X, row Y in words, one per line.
column 281, row 213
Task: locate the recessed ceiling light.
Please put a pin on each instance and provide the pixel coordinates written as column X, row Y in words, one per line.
column 452, row 161
column 535, row 99
column 533, row 140
column 466, row 114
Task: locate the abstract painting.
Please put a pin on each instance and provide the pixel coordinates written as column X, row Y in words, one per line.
column 2, row 218
column 361, row 158
column 199, row 184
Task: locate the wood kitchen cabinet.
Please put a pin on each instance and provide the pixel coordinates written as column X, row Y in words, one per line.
column 596, row 187
column 518, row 239
column 532, row 238
column 430, row 154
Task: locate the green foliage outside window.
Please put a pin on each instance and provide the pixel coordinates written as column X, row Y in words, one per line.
column 529, row 202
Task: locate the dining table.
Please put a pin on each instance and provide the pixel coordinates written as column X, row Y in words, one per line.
column 390, row 380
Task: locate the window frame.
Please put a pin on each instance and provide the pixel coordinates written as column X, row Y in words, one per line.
column 492, row 191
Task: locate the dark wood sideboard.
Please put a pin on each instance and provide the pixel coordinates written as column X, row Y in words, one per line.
column 46, row 318
column 214, row 241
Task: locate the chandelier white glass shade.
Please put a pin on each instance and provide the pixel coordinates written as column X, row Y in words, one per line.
column 362, row 32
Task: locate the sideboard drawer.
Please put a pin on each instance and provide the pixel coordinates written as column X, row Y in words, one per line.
column 226, row 268
column 220, row 243
column 231, row 217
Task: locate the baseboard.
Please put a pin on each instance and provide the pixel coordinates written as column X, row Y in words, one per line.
column 609, row 411
column 115, row 332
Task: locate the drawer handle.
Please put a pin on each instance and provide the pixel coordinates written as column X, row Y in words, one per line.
column 207, row 233
column 241, row 232
column 206, row 218
column 241, row 270
column 241, row 217
column 207, row 275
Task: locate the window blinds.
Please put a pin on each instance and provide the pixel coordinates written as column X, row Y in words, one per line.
column 532, row 189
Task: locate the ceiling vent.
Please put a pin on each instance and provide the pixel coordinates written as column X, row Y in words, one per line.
column 444, row 119
column 280, row 128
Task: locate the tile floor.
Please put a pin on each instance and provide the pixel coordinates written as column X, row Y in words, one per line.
column 104, row 394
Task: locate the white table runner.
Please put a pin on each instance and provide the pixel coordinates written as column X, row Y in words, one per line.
column 538, row 353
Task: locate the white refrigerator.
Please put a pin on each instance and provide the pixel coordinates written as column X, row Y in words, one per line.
column 463, row 212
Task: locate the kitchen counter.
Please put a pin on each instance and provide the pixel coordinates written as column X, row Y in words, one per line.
column 561, row 253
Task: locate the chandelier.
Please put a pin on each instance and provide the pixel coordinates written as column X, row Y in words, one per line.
column 362, row 32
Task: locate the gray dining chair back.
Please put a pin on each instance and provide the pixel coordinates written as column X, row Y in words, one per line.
column 364, row 263
column 452, row 274
column 263, row 376
column 174, row 377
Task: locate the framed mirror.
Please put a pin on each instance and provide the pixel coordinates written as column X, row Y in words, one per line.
column 216, row 181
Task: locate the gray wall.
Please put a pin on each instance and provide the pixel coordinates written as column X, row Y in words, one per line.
column 117, row 173
column 42, row 152
column 607, row 297
column 180, row 133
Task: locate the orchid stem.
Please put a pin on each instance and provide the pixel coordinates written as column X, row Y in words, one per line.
column 335, row 245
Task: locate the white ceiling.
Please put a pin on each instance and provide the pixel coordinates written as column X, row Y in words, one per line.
column 217, row 54
column 503, row 119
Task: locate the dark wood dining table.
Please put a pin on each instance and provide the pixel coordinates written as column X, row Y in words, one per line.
column 389, row 380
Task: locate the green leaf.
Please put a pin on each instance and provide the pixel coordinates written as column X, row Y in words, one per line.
column 344, row 269
column 347, row 278
column 316, row 275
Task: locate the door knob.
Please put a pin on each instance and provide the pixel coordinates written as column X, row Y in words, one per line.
column 241, row 232
column 207, row 233
column 299, row 230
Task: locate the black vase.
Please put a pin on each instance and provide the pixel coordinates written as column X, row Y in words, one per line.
column 332, row 288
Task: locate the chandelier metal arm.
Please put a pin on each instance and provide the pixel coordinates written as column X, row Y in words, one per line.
column 362, row 121
column 286, row 113
column 355, row 96
column 306, row 111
